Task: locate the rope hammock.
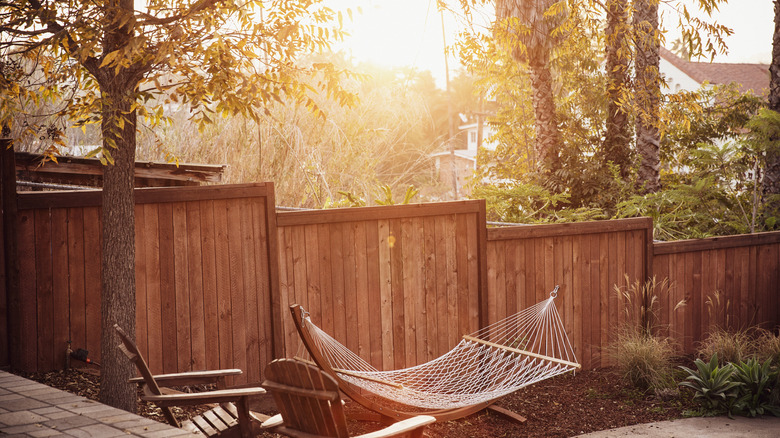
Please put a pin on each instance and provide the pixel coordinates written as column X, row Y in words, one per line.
column 520, row 350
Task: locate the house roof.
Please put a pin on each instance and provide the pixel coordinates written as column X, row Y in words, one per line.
column 749, row 77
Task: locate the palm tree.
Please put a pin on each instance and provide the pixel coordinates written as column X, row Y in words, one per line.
column 770, row 184
column 618, row 137
column 532, row 32
column 647, row 91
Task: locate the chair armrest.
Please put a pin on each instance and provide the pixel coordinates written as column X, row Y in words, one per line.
column 274, row 421
column 199, row 398
column 190, row 377
column 401, row 427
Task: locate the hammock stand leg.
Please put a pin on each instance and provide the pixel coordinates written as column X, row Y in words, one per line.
column 382, row 410
column 514, row 417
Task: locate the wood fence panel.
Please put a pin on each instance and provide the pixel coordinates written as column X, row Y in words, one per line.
column 204, row 277
column 394, row 284
column 727, row 282
column 587, row 261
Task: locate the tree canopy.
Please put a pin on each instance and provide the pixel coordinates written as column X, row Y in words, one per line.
column 106, row 63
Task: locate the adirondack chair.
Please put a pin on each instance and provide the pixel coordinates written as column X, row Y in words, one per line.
column 230, row 416
column 311, row 407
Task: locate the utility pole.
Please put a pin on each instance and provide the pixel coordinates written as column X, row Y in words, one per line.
column 450, row 127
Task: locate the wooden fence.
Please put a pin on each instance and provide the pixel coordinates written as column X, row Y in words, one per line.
column 217, row 268
column 398, row 285
column 205, row 275
column 728, row 282
column 587, row 260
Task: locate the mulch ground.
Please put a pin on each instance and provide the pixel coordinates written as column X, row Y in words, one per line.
column 563, row 406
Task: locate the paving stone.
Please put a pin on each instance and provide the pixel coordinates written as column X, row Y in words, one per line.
column 132, row 423
column 22, row 429
column 168, row 433
column 83, row 403
column 20, row 417
column 121, row 416
column 22, row 404
column 46, row 432
column 25, row 389
column 93, row 411
column 70, row 422
column 10, row 396
column 61, row 414
column 43, row 393
column 96, row 430
column 145, row 430
column 47, row 410
column 65, row 399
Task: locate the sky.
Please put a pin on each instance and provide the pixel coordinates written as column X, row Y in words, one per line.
column 396, row 33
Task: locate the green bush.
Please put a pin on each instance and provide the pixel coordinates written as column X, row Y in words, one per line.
column 713, row 385
column 758, row 392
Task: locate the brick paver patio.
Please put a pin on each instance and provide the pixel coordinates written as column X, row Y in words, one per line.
column 31, row 409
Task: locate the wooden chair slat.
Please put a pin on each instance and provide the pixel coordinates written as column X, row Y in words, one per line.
column 204, row 425
column 225, row 416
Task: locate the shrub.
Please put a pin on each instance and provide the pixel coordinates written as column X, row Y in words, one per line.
column 767, row 347
column 759, row 388
column 713, row 385
column 729, row 346
column 645, row 361
column 643, row 358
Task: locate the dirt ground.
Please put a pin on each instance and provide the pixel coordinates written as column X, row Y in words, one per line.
column 564, row 406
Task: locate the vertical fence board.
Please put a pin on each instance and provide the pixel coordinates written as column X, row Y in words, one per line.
column 92, row 266
column 180, row 286
column 194, row 286
column 76, row 261
column 44, row 293
column 61, row 301
column 150, row 253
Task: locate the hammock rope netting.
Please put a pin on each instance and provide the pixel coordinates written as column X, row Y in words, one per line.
column 520, row 350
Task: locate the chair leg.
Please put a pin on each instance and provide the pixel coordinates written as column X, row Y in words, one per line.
column 245, row 422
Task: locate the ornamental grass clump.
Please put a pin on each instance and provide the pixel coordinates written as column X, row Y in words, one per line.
column 729, row 346
column 644, row 358
column 767, row 347
column 645, row 361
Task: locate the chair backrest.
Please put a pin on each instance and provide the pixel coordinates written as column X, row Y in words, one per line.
column 130, row 350
column 307, row 398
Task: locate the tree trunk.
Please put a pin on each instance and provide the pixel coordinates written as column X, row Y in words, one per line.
column 647, row 92
column 118, row 263
column 617, row 138
column 118, row 127
column 770, row 184
column 547, row 140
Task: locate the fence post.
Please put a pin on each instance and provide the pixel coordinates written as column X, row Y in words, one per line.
column 9, row 292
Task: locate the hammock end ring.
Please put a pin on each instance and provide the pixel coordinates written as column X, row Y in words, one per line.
column 554, row 293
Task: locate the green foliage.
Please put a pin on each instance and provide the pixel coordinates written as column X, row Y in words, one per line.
column 712, row 385
column 758, row 392
column 387, row 195
column 529, row 203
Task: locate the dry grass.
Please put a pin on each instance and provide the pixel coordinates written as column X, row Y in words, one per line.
column 645, row 359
